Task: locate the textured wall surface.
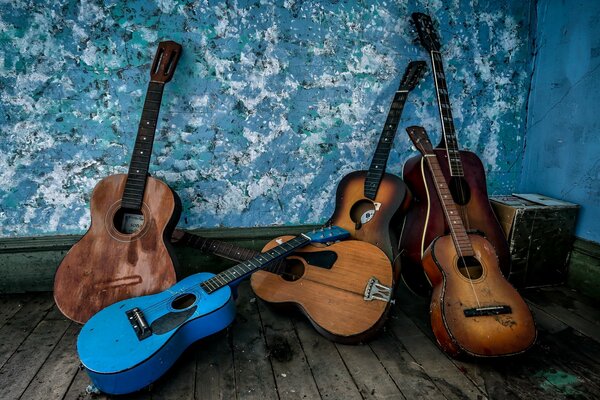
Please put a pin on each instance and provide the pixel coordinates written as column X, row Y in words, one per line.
column 272, row 103
column 563, row 130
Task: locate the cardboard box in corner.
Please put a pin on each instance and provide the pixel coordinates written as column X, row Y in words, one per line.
column 539, row 230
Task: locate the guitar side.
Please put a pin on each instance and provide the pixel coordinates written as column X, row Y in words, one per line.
column 119, row 362
column 425, row 220
column 490, row 335
column 333, row 299
column 106, row 266
column 389, row 205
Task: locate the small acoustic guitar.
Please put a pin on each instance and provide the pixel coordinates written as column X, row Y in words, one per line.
column 368, row 201
column 462, row 170
column 343, row 289
column 474, row 310
column 130, row 344
column 125, row 252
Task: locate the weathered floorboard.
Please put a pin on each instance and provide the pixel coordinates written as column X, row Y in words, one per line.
column 22, row 366
column 215, row 378
column 56, row 374
column 17, row 328
column 267, row 354
column 409, row 376
column 291, row 370
column 369, row 374
column 253, row 372
column 331, row 375
column 9, row 305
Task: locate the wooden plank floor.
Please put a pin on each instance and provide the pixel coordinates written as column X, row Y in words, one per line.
column 270, row 354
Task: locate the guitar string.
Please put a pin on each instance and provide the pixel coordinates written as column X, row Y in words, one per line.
column 457, row 246
column 177, row 293
column 433, row 64
column 183, row 290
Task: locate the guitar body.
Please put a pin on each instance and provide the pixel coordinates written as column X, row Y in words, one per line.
column 425, row 220
column 106, row 266
column 333, row 298
column 483, row 336
column 115, row 358
column 371, row 220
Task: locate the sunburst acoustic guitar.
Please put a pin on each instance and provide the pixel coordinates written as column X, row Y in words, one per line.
column 125, row 253
column 474, row 310
column 343, row 289
column 465, row 174
column 368, row 201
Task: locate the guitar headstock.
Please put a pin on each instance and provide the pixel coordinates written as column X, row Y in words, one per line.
column 413, row 74
column 165, row 61
column 329, row 234
column 420, row 139
column 427, row 33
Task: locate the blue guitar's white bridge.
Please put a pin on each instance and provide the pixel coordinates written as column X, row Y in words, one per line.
column 376, row 291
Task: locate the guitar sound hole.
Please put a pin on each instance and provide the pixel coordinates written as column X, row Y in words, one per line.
column 459, row 188
column 294, row 269
column 128, row 221
column 470, row 267
column 362, row 212
column 184, row 301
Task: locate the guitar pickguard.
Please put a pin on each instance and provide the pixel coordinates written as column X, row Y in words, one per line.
column 171, row 320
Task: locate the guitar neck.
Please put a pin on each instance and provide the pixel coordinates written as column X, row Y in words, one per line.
column 449, row 140
column 217, row 247
column 135, row 186
column 457, row 228
column 379, row 161
column 245, row 268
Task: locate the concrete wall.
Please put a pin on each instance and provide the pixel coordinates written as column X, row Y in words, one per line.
column 562, row 157
column 272, row 104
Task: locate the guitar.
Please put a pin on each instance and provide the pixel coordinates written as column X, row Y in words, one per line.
column 465, row 175
column 368, row 201
column 130, row 344
column 474, row 310
column 125, row 252
column 344, row 290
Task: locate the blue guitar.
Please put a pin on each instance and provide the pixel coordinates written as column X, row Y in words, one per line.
column 130, row 344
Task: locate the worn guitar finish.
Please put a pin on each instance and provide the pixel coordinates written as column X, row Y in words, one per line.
column 474, row 310
column 113, row 260
column 346, row 303
column 463, row 171
column 130, row 344
column 368, row 202
column 343, row 289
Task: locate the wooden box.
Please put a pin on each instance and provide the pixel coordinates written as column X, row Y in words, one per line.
column 539, row 230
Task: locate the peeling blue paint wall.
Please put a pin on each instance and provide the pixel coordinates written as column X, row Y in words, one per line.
column 272, row 104
column 562, row 157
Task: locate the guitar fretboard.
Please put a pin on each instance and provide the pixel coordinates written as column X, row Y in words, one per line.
column 219, row 248
column 133, row 193
column 247, row 267
column 449, row 135
column 457, row 229
column 379, row 161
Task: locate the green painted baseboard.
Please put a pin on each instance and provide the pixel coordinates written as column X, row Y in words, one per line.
column 29, row 264
column 584, row 268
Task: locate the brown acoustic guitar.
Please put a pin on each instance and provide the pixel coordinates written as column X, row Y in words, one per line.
column 368, row 202
column 464, row 173
column 474, row 310
column 126, row 251
column 343, row 289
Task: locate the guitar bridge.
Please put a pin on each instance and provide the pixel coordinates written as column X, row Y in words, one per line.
column 376, row 291
column 138, row 323
column 485, row 311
